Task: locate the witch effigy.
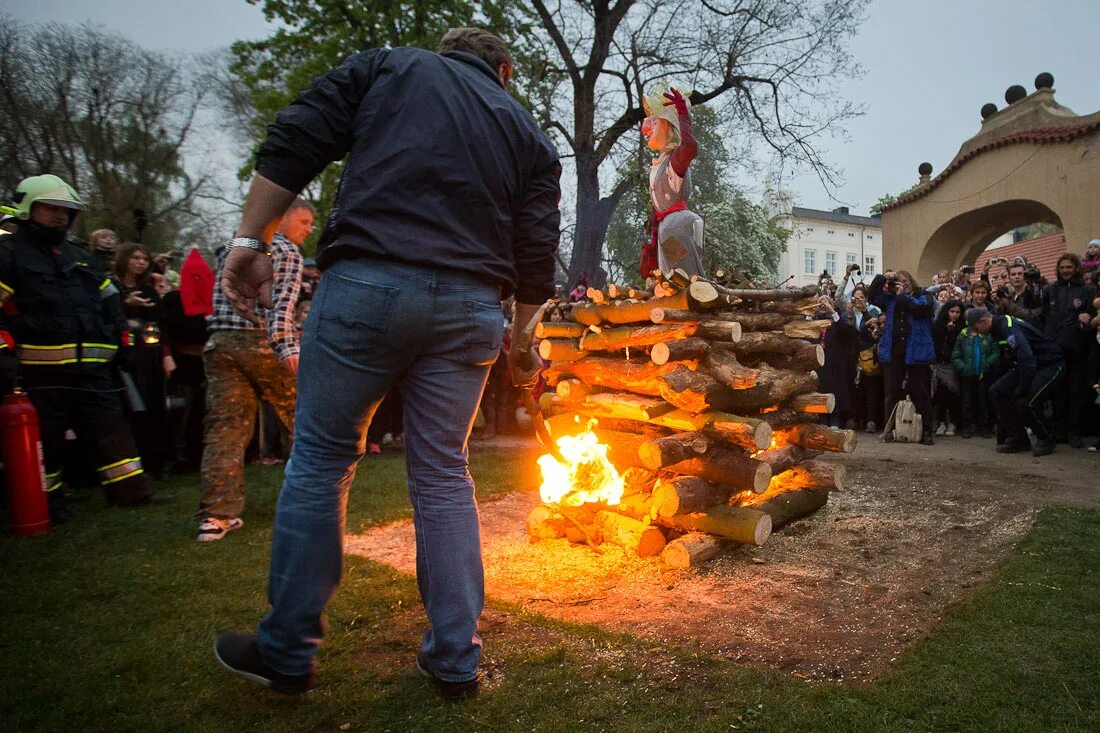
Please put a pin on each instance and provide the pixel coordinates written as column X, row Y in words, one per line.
column 676, row 234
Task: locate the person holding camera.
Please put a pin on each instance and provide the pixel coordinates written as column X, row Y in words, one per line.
column 1067, row 321
column 1022, row 298
column 905, row 348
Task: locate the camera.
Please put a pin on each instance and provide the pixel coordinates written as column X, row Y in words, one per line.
column 967, row 269
column 1032, row 274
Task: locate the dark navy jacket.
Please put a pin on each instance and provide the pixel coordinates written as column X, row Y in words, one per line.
column 916, row 310
column 444, row 168
column 1030, row 348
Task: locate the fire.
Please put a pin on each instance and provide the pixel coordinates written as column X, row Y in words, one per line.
column 587, row 476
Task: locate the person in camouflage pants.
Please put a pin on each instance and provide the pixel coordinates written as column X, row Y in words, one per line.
column 244, row 364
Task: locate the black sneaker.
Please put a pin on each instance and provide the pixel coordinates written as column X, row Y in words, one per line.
column 926, row 439
column 1042, row 448
column 240, row 654
column 451, row 691
column 1011, row 446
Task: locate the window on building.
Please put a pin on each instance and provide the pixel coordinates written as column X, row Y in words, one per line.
column 809, row 262
column 809, row 229
column 868, row 265
column 830, row 231
column 851, row 234
column 830, row 262
column 850, row 259
column 870, row 236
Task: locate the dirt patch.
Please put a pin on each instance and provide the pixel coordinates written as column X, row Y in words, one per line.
column 836, row 596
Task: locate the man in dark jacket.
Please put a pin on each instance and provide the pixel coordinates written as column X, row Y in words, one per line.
column 1066, row 318
column 1018, row 397
column 449, row 203
column 60, row 326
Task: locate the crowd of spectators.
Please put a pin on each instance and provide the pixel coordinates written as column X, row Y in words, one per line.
column 892, row 338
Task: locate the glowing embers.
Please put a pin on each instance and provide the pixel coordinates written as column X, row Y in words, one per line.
column 586, row 477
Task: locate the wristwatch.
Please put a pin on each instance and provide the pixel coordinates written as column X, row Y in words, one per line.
column 249, row 243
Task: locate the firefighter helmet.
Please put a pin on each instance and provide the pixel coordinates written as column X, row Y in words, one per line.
column 47, row 189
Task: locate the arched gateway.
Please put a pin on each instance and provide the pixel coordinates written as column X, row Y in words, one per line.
column 1033, row 161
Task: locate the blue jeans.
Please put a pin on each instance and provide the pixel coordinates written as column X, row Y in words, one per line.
column 376, row 325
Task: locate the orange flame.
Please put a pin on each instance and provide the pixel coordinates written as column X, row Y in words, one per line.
column 586, row 476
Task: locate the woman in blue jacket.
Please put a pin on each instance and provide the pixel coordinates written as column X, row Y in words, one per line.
column 905, row 348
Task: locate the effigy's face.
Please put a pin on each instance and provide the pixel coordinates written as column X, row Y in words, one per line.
column 656, row 131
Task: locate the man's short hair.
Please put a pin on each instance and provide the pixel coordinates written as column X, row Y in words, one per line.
column 481, row 43
column 300, row 203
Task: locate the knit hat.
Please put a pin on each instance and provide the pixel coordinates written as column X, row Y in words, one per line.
column 974, row 315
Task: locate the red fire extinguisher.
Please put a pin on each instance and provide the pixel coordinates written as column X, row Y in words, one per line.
column 23, row 465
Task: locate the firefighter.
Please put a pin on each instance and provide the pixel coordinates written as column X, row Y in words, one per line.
column 62, row 325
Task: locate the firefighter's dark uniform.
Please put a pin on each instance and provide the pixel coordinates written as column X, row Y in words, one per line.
column 1019, row 397
column 62, row 318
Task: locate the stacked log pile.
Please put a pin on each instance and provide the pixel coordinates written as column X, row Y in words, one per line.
column 707, row 400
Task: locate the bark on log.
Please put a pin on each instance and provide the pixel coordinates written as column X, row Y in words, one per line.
column 792, row 505
column 805, row 329
column 560, row 350
column 694, row 391
column 764, row 344
column 784, row 457
column 813, row 403
column 818, row 437
column 638, row 481
column 724, row 366
column 645, row 540
column 665, row 314
column 543, row 523
column 729, row 331
column 592, row 314
column 741, row 524
column 808, row 291
column 671, row 449
column 686, row 495
column 783, row 418
column 691, row 550
column 633, row 376
column 755, row 389
column 689, row 348
column 638, row 506
column 629, row 406
column 704, row 295
column 760, row 321
column 727, row 468
column 622, row 448
column 812, row 357
column 559, row 330
column 616, row 339
column 812, row 475
column 747, row 432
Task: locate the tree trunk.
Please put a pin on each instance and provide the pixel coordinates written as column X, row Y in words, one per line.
column 691, row 550
column 645, row 540
column 687, row 494
column 727, row 468
column 813, row 475
column 689, row 348
column 616, row 339
column 748, row 526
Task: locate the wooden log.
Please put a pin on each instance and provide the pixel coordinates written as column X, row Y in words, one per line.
column 559, row 330
column 575, row 389
column 805, row 359
column 638, row 506
column 720, row 330
column 755, row 389
column 636, row 311
column 704, row 295
column 813, row 403
column 664, row 314
column 543, row 523
column 746, row 432
column 724, row 367
column 616, row 339
column 629, row 406
column 807, row 291
column 637, row 480
column 804, row 307
column 622, row 448
column 694, row 391
column 773, row 342
column 686, row 495
column 791, row 505
column 805, row 329
column 818, row 437
column 560, row 350
column 689, row 348
column 682, row 421
column 782, row 458
column 636, row 536
column 740, row 524
column 597, row 296
column 727, row 468
column 759, row 321
column 633, row 376
column 812, row 475
column 680, row 277
column 671, row 449
column 784, row 418
column 691, row 550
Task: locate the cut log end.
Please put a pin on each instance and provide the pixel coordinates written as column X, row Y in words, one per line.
column 691, row 550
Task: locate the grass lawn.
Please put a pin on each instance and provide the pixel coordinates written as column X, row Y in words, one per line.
column 108, row 624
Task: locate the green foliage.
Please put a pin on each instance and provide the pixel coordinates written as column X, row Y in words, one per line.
column 883, row 202
column 739, row 235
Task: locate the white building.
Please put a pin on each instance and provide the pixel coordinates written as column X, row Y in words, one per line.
column 825, row 241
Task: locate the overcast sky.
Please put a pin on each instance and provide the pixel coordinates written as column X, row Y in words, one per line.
column 930, row 66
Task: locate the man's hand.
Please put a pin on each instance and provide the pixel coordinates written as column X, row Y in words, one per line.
column 247, row 275
column 1084, row 318
column 524, row 367
column 291, row 363
column 136, row 299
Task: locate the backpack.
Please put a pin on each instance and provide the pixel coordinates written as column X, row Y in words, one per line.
column 908, row 426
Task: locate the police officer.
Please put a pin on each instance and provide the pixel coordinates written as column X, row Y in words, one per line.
column 62, row 325
column 1018, row 397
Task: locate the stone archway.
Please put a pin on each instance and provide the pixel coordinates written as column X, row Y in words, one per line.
column 1034, row 161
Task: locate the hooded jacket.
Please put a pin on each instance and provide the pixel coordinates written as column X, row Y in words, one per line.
column 974, row 354
column 1029, row 348
column 908, row 315
column 1065, row 300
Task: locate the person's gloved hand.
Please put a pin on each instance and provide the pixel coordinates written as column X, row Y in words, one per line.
column 675, row 99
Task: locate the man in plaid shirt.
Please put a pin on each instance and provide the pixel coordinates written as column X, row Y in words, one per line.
column 243, row 366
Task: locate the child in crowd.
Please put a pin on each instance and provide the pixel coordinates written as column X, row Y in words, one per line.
column 975, row 358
